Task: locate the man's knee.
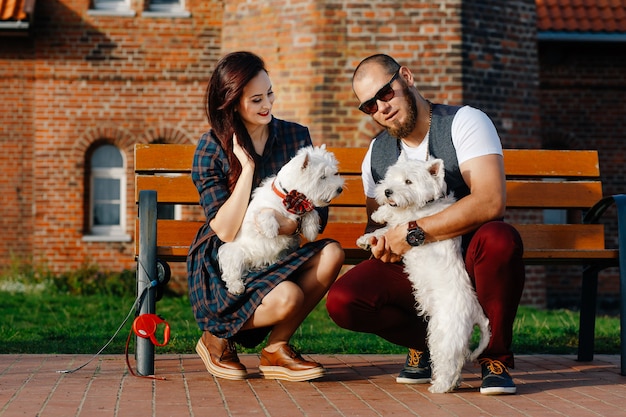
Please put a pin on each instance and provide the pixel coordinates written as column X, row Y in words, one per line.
column 338, row 302
column 500, row 240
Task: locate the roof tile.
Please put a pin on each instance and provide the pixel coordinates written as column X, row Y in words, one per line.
column 606, row 16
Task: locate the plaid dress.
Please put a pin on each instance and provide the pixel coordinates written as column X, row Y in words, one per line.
column 215, row 309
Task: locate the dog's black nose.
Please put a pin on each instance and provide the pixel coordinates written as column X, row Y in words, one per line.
column 339, row 190
column 388, row 192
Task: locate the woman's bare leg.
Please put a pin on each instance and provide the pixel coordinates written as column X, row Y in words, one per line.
column 287, row 305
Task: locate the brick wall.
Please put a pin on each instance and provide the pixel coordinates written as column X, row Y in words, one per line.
column 583, row 107
column 312, row 47
column 84, row 80
column 17, row 80
column 500, row 67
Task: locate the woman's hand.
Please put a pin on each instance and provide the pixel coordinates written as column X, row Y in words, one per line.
column 244, row 159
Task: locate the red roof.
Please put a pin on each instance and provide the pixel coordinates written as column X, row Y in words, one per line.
column 607, row 16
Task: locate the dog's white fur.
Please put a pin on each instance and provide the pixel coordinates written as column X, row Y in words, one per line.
column 443, row 291
column 313, row 171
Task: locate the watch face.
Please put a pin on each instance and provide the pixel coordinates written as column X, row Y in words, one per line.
column 415, row 237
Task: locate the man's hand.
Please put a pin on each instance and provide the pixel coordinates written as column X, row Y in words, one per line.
column 381, row 250
column 396, row 239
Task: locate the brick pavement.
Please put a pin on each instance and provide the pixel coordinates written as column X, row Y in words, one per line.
column 356, row 385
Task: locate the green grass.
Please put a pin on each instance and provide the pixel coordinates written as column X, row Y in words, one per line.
column 50, row 322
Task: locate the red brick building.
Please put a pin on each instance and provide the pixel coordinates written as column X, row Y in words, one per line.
column 82, row 81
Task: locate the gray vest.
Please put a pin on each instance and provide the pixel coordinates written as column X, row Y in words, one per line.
column 386, row 150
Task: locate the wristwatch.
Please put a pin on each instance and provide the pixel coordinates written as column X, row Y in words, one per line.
column 415, row 235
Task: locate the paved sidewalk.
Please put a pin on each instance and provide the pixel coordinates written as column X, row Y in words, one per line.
column 356, row 385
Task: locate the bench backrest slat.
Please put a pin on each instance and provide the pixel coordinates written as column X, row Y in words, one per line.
column 170, row 190
column 551, row 163
column 562, row 236
column 181, row 190
column 538, row 194
column 163, row 157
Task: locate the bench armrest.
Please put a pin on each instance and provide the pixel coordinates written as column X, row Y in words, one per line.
column 594, row 214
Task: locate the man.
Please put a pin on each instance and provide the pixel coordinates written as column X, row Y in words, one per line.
column 376, row 296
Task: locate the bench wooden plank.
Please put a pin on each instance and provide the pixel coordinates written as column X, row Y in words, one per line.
column 517, row 162
column 350, row 159
column 170, row 190
column 531, row 257
column 573, row 237
column 552, row 194
column 583, row 194
column 163, row 157
column 181, row 190
column 572, row 240
column 179, row 158
column 551, row 163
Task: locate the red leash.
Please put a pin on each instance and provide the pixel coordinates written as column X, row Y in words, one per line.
column 145, row 326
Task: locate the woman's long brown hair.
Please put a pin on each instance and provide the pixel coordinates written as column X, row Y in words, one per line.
column 222, row 96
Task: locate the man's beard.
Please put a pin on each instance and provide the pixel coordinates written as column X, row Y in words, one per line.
column 402, row 130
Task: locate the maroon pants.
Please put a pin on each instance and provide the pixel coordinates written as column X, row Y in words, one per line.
column 376, row 297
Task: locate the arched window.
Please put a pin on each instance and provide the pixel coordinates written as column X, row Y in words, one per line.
column 107, row 193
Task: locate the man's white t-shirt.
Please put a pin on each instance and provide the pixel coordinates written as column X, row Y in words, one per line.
column 473, row 135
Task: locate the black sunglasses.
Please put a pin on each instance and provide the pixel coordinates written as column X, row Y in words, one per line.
column 385, row 94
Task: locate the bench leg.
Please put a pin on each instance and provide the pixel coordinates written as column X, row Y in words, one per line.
column 587, row 327
column 146, row 274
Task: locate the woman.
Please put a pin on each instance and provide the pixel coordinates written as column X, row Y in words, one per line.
column 245, row 145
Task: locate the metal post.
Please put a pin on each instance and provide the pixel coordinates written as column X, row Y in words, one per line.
column 587, row 326
column 146, row 273
column 620, row 201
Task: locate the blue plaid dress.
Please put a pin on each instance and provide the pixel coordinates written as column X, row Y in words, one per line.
column 215, row 309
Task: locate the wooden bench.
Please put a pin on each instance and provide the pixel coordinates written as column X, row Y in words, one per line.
column 536, row 180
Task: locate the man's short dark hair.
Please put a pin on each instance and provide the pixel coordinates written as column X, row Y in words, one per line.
column 388, row 63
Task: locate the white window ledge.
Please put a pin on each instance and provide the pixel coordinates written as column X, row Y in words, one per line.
column 168, row 14
column 19, row 25
column 116, row 13
column 107, row 238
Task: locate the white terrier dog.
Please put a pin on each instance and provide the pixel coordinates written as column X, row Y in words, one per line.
column 442, row 288
column 310, row 179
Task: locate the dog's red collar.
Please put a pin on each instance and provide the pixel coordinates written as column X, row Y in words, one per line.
column 294, row 202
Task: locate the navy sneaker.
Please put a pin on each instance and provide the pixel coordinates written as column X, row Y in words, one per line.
column 496, row 378
column 416, row 368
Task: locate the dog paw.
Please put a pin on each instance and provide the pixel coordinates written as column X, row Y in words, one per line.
column 364, row 242
column 235, row 288
column 440, row 386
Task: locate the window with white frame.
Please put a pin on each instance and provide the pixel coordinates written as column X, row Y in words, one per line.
column 166, row 5
column 112, row 5
column 107, row 215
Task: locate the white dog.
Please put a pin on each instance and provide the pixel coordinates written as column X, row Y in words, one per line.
column 411, row 190
column 310, row 179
